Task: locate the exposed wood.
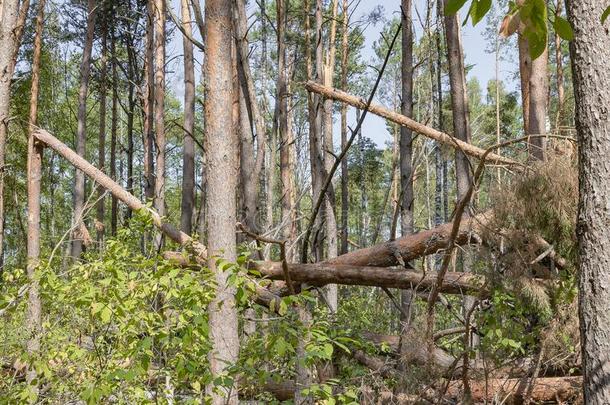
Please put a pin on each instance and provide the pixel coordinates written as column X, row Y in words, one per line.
column 512, row 390
column 405, row 249
column 415, row 126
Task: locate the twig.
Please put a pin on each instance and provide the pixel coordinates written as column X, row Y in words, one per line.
column 282, row 244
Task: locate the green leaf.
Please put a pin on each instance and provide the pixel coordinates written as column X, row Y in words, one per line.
column 478, row 9
column 563, row 28
column 605, row 15
column 105, row 314
column 453, row 6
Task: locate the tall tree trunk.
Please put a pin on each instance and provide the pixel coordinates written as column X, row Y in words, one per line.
column 113, row 132
column 406, row 169
column 12, row 21
column 131, row 102
column 149, row 102
column 221, row 205
column 35, row 151
column 159, row 199
column 525, row 68
column 101, row 151
column 81, row 133
column 461, row 128
column 440, row 162
column 344, row 168
column 559, row 66
column 188, row 154
column 332, row 292
column 316, row 112
column 288, row 226
column 590, row 52
column 251, row 165
column 538, row 93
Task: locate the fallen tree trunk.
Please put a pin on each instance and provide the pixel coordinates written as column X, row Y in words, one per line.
column 411, row 247
column 320, row 274
column 513, row 390
column 467, row 148
column 193, row 246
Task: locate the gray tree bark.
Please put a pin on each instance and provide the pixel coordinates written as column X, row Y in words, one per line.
column 159, row 111
column 590, row 52
column 406, row 156
column 187, row 205
column 11, row 30
column 222, row 156
column 81, row 133
column 35, row 153
column 344, row 168
column 101, row 151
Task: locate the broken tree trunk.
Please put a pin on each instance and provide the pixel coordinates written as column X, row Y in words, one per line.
column 415, row 126
column 119, row 192
column 513, row 390
column 410, row 247
column 320, row 274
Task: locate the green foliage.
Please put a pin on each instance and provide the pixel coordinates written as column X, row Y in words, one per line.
column 605, row 15
column 477, row 11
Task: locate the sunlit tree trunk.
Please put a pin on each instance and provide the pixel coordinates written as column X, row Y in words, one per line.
column 35, row 152
column 149, row 103
column 114, row 207
column 590, row 53
column 538, row 83
column 159, row 199
column 221, row 143
column 188, row 154
column 406, row 168
column 12, row 22
column 332, row 295
column 559, row 66
column 344, row 168
column 81, row 133
column 101, row 151
column 461, row 128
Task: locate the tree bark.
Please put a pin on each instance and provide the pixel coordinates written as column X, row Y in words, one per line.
column 187, row 205
column 590, row 52
column 285, row 133
column 11, row 30
column 114, row 213
column 538, row 92
column 406, row 166
column 159, row 110
column 321, row 274
column 525, row 68
column 101, row 151
column 221, row 205
column 559, row 67
column 81, row 133
column 415, row 126
column 35, row 154
column 408, row 248
column 149, row 103
column 344, row 168
column 253, row 166
column 332, row 292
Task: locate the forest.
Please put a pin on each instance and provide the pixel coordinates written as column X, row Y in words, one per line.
column 304, row 201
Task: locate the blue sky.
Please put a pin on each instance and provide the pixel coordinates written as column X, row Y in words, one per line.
column 474, row 43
